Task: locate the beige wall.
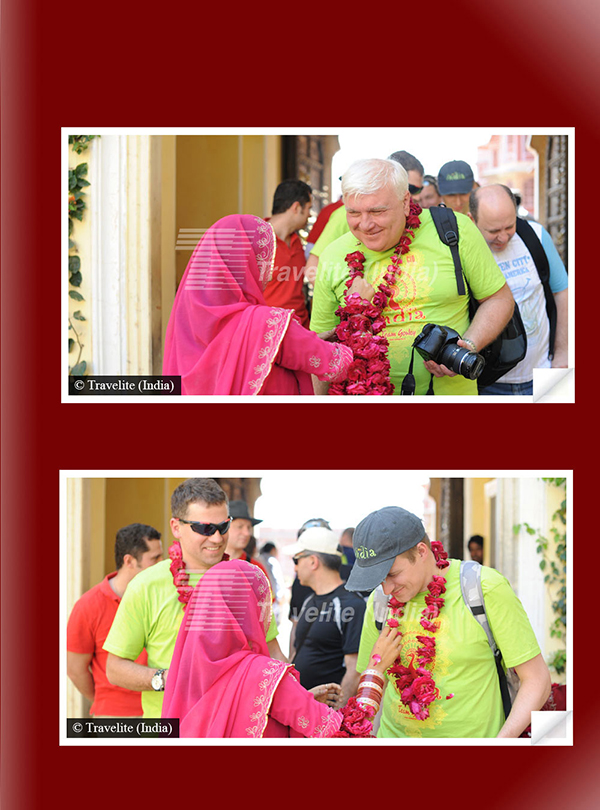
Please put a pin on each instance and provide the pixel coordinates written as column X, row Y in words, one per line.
column 218, row 175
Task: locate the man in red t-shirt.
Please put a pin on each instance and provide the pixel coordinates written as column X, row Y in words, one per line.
column 291, row 210
column 137, row 547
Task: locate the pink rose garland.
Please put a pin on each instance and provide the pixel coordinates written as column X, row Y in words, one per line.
column 362, row 321
column 415, row 683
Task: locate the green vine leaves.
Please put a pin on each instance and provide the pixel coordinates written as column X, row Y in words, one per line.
column 553, row 562
column 77, row 208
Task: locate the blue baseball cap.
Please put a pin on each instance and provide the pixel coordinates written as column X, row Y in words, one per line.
column 378, row 540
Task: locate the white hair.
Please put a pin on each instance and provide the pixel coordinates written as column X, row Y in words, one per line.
column 371, row 175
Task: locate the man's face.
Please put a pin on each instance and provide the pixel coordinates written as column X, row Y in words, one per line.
column 497, row 221
column 304, row 567
column 303, row 214
column 240, row 533
column 457, row 202
column 406, row 579
column 150, row 557
column 476, row 552
column 429, row 197
column 377, row 220
column 415, row 179
column 200, row 552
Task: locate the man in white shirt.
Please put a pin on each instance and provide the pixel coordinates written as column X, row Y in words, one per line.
column 543, row 306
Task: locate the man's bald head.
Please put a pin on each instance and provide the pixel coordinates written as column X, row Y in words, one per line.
column 494, row 210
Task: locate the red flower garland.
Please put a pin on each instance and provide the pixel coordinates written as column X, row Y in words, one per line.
column 415, row 683
column 181, row 577
column 361, row 322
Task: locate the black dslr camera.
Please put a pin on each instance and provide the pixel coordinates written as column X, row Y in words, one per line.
column 439, row 343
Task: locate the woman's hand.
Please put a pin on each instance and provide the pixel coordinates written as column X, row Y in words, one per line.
column 362, row 287
column 387, row 648
column 329, row 693
column 326, row 335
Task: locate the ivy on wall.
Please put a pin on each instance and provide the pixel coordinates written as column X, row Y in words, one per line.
column 77, row 208
column 553, row 562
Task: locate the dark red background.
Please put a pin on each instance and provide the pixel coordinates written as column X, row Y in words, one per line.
column 194, row 65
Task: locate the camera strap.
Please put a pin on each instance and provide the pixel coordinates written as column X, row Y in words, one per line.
column 409, row 384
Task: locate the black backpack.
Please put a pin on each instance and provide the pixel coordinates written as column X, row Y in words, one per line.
column 538, row 254
column 510, row 347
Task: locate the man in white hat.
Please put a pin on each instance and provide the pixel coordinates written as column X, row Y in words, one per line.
column 328, row 631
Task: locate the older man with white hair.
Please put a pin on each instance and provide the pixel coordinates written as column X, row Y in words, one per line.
column 410, row 275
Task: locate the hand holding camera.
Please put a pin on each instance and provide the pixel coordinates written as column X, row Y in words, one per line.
column 446, row 354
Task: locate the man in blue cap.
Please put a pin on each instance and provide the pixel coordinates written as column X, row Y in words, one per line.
column 446, row 663
column 455, row 183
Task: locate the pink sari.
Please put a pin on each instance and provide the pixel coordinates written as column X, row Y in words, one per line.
column 222, row 681
column 223, row 338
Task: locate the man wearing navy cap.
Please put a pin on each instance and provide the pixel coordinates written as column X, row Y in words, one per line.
column 455, row 183
column 447, row 683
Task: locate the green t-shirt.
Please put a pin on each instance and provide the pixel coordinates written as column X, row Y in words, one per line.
column 464, row 664
column 149, row 617
column 426, row 292
column 337, row 225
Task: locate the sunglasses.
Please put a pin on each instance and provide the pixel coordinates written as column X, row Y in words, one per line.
column 208, row 529
column 414, row 189
column 298, row 557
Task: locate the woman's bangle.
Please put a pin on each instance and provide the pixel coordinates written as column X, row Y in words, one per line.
column 373, row 674
column 364, row 701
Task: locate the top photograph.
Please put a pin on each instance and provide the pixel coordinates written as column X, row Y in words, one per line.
column 346, row 265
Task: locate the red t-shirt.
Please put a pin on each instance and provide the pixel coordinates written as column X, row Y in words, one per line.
column 87, row 629
column 321, row 221
column 286, row 286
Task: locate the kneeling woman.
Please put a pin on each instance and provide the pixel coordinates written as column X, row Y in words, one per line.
column 223, row 683
column 223, row 338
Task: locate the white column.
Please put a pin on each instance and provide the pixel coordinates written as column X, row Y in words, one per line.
column 523, row 500
column 123, row 247
column 76, row 508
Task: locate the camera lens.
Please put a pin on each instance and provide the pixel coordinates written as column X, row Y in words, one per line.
column 462, row 361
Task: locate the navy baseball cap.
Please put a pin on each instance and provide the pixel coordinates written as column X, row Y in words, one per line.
column 455, row 177
column 377, row 541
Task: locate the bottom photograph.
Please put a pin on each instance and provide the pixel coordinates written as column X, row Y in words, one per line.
column 371, row 607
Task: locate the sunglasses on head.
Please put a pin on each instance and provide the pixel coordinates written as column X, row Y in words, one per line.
column 414, row 189
column 208, row 529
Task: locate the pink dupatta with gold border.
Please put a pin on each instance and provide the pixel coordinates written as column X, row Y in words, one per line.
column 222, row 681
column 222, row 337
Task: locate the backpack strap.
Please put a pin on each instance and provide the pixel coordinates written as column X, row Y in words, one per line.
column 470, row 586
column 538, row 254
column 445, row 222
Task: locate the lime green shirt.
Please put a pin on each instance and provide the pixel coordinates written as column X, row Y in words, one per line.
column 464, row 664
column 149, row 617
column 337, row 225
column 426, row 292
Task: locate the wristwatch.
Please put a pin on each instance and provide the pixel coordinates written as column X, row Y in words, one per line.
column 158, row 680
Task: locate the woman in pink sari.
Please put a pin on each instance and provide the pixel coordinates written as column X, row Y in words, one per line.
column 222, row 681
column 223, row 338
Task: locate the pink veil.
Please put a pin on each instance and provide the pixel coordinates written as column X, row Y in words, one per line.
column 221, row 681
column 222, row 336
